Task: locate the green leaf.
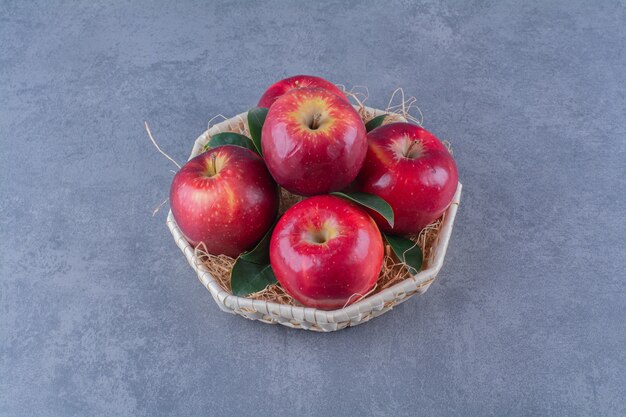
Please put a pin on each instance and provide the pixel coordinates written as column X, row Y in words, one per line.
column 261, row 252
column 375, row 122
column 370, row 201
column 230, row 138
column 256, row 118
column 407, row 251
column 252, row 271
column 248, row 277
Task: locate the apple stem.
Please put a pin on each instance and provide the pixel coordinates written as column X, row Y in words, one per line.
column 409, row 149
column 213, row 157
column 316, row 121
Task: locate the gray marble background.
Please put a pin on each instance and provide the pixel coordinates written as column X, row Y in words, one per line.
column 101, row 315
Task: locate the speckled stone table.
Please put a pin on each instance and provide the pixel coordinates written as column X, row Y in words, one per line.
column 101, row 315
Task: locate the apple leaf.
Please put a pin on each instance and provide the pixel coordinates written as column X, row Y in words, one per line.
column 375, row 122
column 261, row 252
column 230, row 138
column 248, row 277
column 407, row 251
column 370, row 201
column 256, row 118
column 252, row 271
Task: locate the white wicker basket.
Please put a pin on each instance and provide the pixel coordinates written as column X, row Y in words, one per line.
column 312, row 318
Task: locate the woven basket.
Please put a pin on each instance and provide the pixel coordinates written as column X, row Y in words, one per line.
column 312, row 318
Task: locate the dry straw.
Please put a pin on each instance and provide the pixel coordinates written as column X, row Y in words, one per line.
column 272, row 305
column 392, row 272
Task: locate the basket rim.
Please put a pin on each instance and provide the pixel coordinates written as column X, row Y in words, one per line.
column 365, row 305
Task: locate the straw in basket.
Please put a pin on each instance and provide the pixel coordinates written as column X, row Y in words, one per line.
column 397, row 289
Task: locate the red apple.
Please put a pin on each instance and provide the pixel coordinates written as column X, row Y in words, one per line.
column 298, row 81
column 225, row 198
column 326, row 252
column 313, row 141
column 413, row 171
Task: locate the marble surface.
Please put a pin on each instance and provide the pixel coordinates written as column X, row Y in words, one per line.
column 101, row 315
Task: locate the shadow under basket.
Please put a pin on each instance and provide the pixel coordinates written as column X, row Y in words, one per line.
column 300, row 317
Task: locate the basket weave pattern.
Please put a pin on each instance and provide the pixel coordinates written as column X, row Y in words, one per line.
column 305, row 317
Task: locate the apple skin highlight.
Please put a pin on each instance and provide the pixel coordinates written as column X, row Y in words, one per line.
column 326, row 252
column 224, row 198
column 413, row 171
column 314, row 142
column 298, row 81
